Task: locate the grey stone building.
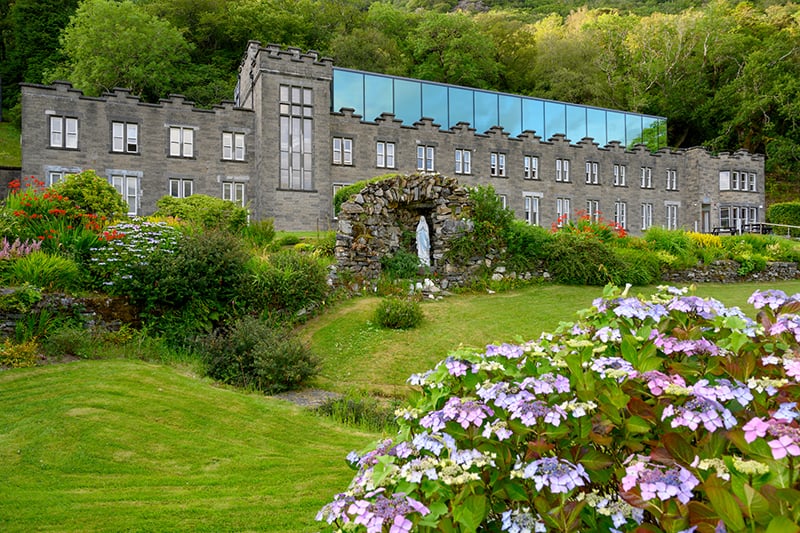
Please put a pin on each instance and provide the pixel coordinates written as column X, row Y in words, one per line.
column 299, row 128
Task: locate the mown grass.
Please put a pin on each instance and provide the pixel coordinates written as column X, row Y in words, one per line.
column 10, row 148
column 126, row 445
column 120, row 445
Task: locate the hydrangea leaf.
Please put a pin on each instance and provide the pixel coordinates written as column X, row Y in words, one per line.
column 724, row 504
column 781, row 524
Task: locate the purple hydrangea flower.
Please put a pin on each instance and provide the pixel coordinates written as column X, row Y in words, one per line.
column 659, row 481
column 558, row 475
column 770, row 298
column 510, row 351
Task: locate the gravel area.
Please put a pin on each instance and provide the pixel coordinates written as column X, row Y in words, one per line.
column 310, row 398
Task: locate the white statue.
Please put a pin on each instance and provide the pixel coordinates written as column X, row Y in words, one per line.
column 423, row 243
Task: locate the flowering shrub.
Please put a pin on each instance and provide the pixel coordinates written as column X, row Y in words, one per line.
column 670, row 413
column 585, row 224
column 18, row 248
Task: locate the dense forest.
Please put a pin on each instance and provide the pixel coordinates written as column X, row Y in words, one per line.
column 726, row 74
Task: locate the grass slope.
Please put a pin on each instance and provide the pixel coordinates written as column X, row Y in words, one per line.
column 10, row 148
column 122, row 445
column 358, row 354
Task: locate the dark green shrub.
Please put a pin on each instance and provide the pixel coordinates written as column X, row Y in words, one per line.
column 71, row 342
column 491, row 222
column 785, row 213
column 286, row 282
column 398, row 313
column 400, row 265
column 206, row 211
column 289, row 240
column 577, row 259
column 637, row 267
column 92, row 194
column 525, row 245
column 326, row 244
column 361, row 410
column 20, row 299
column 252, row 354
column 259, row 232
column 52, row 272
column 749, row 263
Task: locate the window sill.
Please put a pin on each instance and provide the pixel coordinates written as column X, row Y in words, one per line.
column 281, row 189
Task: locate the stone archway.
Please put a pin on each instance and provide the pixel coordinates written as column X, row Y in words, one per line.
column 372, row 223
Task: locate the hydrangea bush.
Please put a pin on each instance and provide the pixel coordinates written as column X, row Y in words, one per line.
column 670, row 413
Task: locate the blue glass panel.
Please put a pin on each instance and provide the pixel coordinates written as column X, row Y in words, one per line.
column 533, row 116
column 633, row 129
column 654, row 133
column 378, row 97
column 434, row 103
column 407, row 101
column 596, row 125
column 616, row 127
column 511, row 114
column 555, row 119
column 576, row 123
column 485, row 111
column 461, row 107
column 348, row 91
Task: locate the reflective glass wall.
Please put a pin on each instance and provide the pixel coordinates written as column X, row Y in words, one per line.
column 372, row 94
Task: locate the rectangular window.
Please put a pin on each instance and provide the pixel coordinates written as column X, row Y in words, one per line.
column 463, row 162
column 619, row 176
column 734, row 180
column 725, row 217
column 181, row 142
column 752, row 182
column 562, row 211
column 672, row 216
column 233, row 191
column 531, row 167
column 180, row 187
column 647, row 216
column 592, row 173
column 232, row 146
column 64, row 132
column 593, row 210
column 503, row 200
column 128, row 187
column 342, row 151
column 125, row 137
column 425, row 158
column 562, row 170
column 497, row 164
column 384, row 153
column 296, row 137
column 531, row 201
column 672, row 180
column 725, row 181
column 53, row 177
column 745, row 181
column 647, row 178
column 621, row 214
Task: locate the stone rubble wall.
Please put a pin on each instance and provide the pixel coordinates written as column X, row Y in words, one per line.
column 726, row 271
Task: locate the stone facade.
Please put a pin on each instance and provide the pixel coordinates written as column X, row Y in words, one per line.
column 290, row 169
column 373, row 224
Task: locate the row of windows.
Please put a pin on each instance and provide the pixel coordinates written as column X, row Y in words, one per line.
column 532, row 211
column 426, row 155
column 125, row 139
column 737, row 180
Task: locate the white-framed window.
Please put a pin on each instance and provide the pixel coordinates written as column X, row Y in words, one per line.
column 752, row 183
column 503, row 200
column 619, row 176
column 671, row 215
column 64, row 132
column 234, row 191
column 530, row 167
column 734, row 216
column 497, row 164
column 531, row 204
column 735, row 180
column 593, row 210
column 181, row 141
column 296, row 137
column 125, row 137
column 647, row 178
column 647, row 216
column 725, row 181
column 672, row 180
column 562, row 170
column 181, row 187
column 562, row 211
column 463, row 161
column 334, row 189
column 592, row 172
column 52, row 177
column 55, row 173
column 342, row 151
column 233, row 146
column 127, row 185
column 425, row 158
column 384, row 154
column 621, row 214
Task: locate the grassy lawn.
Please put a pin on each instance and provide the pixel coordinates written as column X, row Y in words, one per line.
column 123, row 445
column 10, row 149
column 120, row 445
